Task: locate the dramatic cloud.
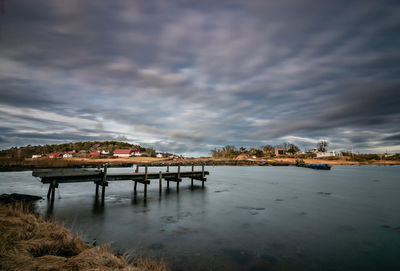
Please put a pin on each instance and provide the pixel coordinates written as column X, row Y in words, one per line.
column 190, row 76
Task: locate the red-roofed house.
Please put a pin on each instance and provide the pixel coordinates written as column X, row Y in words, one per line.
column 56, row 155
column 123, row 152
column 95, row 153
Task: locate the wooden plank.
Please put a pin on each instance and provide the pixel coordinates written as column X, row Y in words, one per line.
column 43, row 173
column 178, row 180
column 200, row 179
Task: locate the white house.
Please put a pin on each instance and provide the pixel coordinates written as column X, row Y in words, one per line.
column 67, row 155
column 36, row 156
column 327, row 154
column 159, row 155
column 123, row 152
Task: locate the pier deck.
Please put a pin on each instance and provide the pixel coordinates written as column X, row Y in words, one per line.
column 100, row 177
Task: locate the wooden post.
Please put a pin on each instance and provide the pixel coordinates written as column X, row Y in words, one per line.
column 167, row 168
column 179, row 172
column 202, row 176
column 192, row 178
column 137, row 169
column 160, row 181
column 134, row 187
column 168, row 184
column 103, row 188
column 145, row 190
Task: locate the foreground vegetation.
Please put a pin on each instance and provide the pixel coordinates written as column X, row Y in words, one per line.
column 27, row 242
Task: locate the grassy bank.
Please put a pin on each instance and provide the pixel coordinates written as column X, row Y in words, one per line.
column 27, row 242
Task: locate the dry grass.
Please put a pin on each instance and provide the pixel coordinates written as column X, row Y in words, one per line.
column 29, row 243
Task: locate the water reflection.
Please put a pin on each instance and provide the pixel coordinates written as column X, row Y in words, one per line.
column 50, row 208
column 98, row 205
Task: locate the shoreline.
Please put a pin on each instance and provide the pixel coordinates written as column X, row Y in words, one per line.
column 30, row 164
column 29, row 242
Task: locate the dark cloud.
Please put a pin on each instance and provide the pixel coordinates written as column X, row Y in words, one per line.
column 191, row 76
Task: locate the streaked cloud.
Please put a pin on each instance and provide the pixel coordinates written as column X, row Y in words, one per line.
column 190, row 76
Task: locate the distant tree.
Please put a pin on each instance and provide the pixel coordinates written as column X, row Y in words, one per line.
column 256, row 152
column 322, row 146
column 268, row 149
column 293, row 149
column 284, row 145
column 228, row 151
column 242, row 149
column 151, row 152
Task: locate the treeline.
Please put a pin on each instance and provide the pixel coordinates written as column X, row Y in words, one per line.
column 231, row 152
column 110, row 146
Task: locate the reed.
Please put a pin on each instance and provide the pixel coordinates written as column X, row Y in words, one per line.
column 28, row 242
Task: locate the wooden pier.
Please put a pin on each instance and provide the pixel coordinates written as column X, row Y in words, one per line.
column 101, row 178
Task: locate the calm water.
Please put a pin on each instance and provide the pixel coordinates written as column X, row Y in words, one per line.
column 246, row 218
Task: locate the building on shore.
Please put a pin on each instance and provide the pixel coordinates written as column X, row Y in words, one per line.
column 159, row 155
column 67, row 155
column 56, row 155
column 124, row 153
column 280, row 151
column 95, row 153
column 36, row 156
column 136, row 152
column 327, row 154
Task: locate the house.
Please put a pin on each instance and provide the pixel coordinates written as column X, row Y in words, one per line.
column 56, row 155
column 136, row 152
column 327, row 154
column 95, row 153
column 104, row 152
column 67, row 155
column 36, row 156
column 280, row 151
column 123, row 152
column 159, row 155
column 95, row 146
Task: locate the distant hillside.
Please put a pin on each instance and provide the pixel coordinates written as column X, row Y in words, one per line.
column 28, row 151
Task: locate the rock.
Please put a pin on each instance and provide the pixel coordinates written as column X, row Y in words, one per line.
column 12, row 198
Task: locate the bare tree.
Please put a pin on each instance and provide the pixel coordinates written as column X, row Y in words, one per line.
column 268, row 149
column 322, row 146
column 293, row 149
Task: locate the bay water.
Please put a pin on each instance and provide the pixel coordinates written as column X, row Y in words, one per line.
column 245, row 218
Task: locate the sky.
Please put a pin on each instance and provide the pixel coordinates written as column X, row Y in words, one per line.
column 190, row 76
